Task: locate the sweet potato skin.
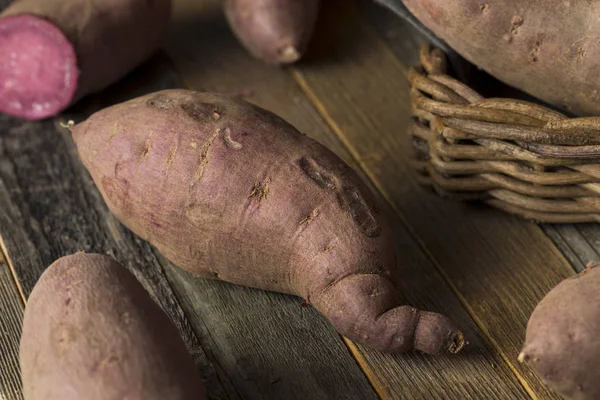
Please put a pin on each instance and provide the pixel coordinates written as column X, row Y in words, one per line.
column 110, row 37
column 234, row 178
column 228, row 190
column 562, row 343
column 91, row 331
column 545, row 48
column 275, row 31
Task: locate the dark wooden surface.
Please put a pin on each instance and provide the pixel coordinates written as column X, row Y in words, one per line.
column 484, row 269
column 11, row 309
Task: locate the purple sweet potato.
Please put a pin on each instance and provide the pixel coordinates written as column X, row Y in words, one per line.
column 275, row 31
column 92, row 332
column 562, row 343
column 52, row 53
column 545, row 48
column 227, row 190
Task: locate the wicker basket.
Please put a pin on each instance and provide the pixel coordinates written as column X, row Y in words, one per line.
column 518, row 156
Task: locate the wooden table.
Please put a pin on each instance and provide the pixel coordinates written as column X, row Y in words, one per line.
column 484, row 269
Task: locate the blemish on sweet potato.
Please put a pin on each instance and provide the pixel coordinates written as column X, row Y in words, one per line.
column 229, row 142
column 204, row 156
column 63, row 335
column 146, row 150
column 111, row 359
column 533, row 55
column 351, row 201
column 515, row 24
column 484, row 8
column 171, row 156
column 314, row 214
column 114, row 132
column 117, row 191
column 161, row 102
column 260, row 190
column 317, row 173
column 199, row 111
column 349, row 198
column 329, row 246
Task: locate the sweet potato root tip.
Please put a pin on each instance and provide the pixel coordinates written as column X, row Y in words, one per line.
column 456, row 343
column 274, row 31
column 38, row 68
column 289, row 54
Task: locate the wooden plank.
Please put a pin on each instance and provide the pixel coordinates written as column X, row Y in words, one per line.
column 11, row 317
column 49, row 208
column 579, row 243
column 220, row 64
column 499, row 266
column 269, row 344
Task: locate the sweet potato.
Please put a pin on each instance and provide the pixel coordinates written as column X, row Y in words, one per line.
column 52, row 53
column 227, row 190
column 545, row 48
column 275, row 31
column 91, row 331
column 562, row 343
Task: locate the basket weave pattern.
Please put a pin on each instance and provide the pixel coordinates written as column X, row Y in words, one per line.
column 517, row 156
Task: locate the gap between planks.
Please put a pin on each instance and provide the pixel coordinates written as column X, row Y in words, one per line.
column 4, row 257
column 298, row 76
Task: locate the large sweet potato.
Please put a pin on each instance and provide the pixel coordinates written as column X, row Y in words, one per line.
column 275, row 31
column 53, row 52
column 562, row 343
column 92, row 332
column 545, row 48
column 228, row 190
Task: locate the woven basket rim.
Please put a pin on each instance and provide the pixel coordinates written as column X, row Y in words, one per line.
column 516, row 155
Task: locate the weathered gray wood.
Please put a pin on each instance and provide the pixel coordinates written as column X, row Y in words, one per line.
column 270, row 345
column 11, row 317
column 49, row 208
column 579, row 243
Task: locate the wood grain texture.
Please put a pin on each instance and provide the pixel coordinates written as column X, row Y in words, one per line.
column 499, row 266
column 11, row 317
column 220, row 64
column 49, row 208
column 579, row 243
column 268, row 344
